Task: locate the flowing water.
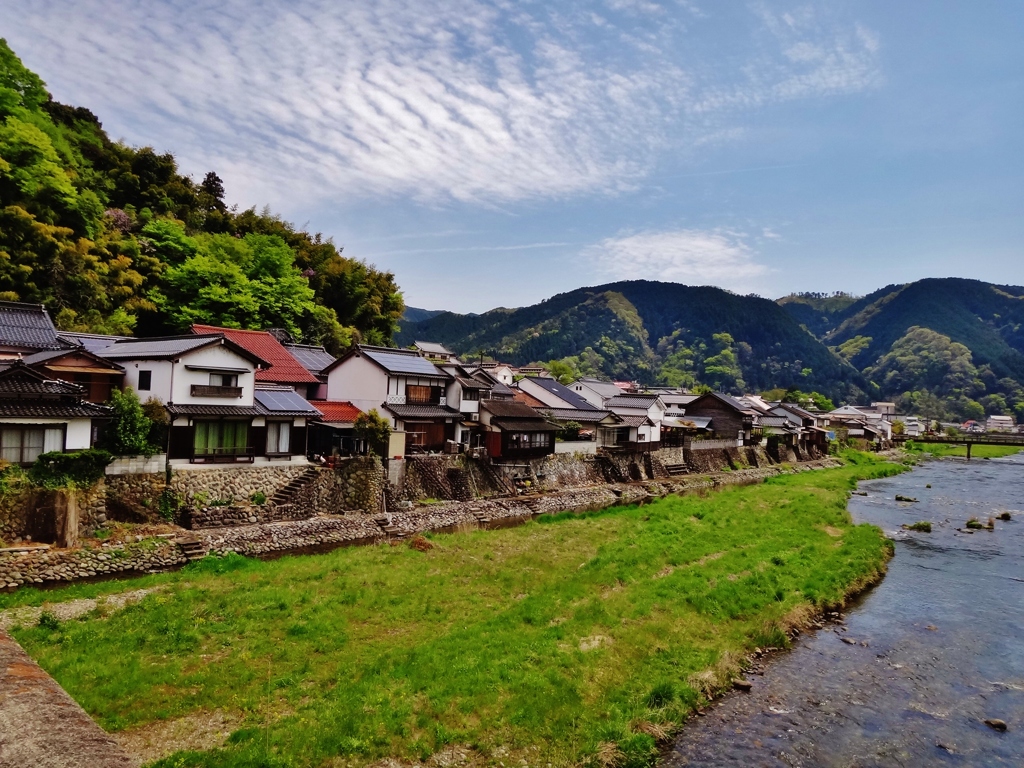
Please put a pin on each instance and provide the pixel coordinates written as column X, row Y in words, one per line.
column 938, row 645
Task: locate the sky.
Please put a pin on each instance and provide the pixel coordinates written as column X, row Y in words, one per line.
column 497, row 153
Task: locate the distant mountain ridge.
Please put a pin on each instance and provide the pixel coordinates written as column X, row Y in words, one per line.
column 634, row 329
column 943, row 347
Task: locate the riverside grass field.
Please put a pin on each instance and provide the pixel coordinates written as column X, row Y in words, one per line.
column 573, row 639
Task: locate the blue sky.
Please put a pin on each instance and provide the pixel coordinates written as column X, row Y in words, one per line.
column 496, row 153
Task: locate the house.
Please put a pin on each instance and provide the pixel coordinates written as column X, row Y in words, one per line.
column 331, row 434
column 812, row 438
column 861, row 422
column 314, row 359
column 39, row 415
column 97, row 376
column 599, row 428
column 24, row 329
column 642, row 413
column 434, row 352
column 729, row 418
column 503, row 372
column 532, row 370
column 515, row 431
column 999, row 424
column 280, row 368
column 595, row 391
column 498, row 389
column 93, row 342
column 912, row 426
column 403, row 386
column 553, row 394
column 219, row 412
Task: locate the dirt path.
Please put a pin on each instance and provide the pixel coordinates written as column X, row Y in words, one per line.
column 71, row 609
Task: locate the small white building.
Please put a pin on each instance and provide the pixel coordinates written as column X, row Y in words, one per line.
column 999, row 424
column 404, row 386
column 644, row 413
column 595, row 391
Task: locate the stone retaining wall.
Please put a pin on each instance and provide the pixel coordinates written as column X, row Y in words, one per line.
column 43, row 565
column 233, row 484
column 135, row 498
column 47, row 565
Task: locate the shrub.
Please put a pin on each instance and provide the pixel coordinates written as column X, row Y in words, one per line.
column 375, row 430
column 570, row 431
column 258, row 497
column 160, row 423
column 128, row 433
column 170, row 502
column 661, row 694
column 48, row 621
column 77, row 469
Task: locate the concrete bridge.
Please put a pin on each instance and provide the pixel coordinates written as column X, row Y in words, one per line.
column 967, row 439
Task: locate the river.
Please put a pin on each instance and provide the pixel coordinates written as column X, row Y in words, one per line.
column 938, row 645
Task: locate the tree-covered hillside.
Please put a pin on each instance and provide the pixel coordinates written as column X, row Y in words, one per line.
column 113, row 239
column 654, row 332
column 948, row 348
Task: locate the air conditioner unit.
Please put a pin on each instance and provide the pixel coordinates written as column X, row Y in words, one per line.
column 474, row 417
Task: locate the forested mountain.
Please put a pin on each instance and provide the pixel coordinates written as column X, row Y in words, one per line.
column 113, row 239
column 654, row 332
column 949, row 348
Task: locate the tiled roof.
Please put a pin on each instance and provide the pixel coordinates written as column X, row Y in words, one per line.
column 27, row 325
column 341, row 412
column 313, row 359
column 634, row 421
column 282, row 401
column 17, row 380
column 42, row 358
column 574, row 414
column 603, row 388
column 630, row 401
column 433, row 348
column 525, row 397
column 774, row 421
column 524, row 425
column 169, row 347
column 284, row 368
column 214, row 410
column 91, row 341
column 562, row 392
column 423, row 411
column 508, row 409
column 48, row 409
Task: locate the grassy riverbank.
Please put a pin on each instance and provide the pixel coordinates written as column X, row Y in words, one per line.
column 939, row 450
column 557, row 642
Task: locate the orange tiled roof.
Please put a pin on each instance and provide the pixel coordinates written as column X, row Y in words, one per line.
column 525, row 397
column 337, row 410
column 284, row 368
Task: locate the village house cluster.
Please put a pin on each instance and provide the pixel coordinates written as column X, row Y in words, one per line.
column 248, row 397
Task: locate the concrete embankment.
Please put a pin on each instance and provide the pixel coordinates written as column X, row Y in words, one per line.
column 41, row 726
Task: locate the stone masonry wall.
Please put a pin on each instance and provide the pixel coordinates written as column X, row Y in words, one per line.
column 234, row 484
column 135, row 498
column 41, row 565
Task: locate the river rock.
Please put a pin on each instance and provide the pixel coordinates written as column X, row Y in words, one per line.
column 996, row 724
column 744, row 685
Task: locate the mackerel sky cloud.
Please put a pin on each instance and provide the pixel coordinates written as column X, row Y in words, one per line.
column 484, row 132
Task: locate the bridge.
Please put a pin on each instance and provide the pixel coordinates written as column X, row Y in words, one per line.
column 967, row 439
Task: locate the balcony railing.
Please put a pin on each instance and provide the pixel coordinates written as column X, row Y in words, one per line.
column 224, row 455
column 209, row 390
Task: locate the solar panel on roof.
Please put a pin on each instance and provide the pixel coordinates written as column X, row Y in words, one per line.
column 276, row 400
column 399, row 363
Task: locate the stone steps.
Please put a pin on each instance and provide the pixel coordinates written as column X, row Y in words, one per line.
column 677, row 469
column 191, row 547
column 285, row 493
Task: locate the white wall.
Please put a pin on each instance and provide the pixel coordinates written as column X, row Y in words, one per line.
column 77, row 433
column 584, row 391
column 213, row 357
column 360, row 381
column 161, row 378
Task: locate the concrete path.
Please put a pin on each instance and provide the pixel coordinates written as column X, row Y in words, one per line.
column 41, row 726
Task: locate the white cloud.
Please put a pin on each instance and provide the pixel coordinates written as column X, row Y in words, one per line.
column 691, row 256
column 437, row 100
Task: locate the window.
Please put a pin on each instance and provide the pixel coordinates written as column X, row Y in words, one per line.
column 223, row 379
column 22, row 445
column 417, row 394
column 471, row 394
column 527, row 440
column 279, row 435
column 145, row 381
column 226, row 437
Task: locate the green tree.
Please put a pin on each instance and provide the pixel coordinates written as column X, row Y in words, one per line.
column 128, row 431
column 722, row 370
column 564, row 371
column 375, row 430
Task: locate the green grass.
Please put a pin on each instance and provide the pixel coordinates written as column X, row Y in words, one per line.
column 940, row 450
column 546, row 640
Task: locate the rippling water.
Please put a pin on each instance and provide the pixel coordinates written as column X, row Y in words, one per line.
column 944, row 651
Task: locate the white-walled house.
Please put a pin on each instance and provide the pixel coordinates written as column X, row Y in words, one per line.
column 40, row 415
column 645, row 411
column 219, row 414
column 595, row 391
column 553, row 393
column 403, row 386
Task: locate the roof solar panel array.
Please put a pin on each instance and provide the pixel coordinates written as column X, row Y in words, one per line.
column 283, row 401
column 396, row 362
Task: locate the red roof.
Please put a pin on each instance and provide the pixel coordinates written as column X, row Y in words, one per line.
column 337, row 411
column 525, row 397
column 284, row 368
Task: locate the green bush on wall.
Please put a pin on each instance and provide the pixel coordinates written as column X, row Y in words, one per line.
column 77, row 469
